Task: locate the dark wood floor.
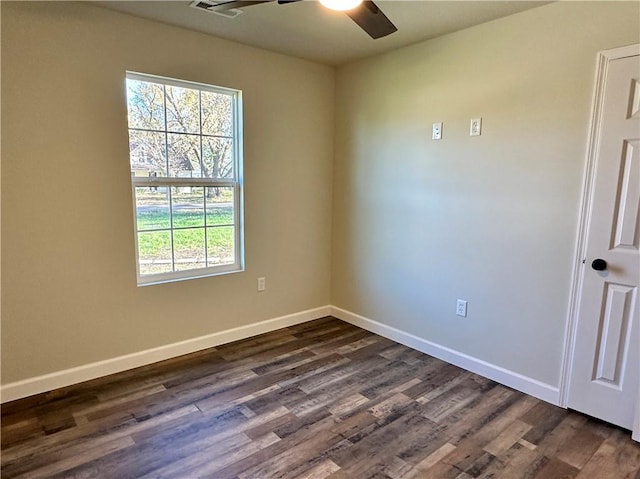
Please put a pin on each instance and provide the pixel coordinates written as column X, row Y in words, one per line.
column 321, row 399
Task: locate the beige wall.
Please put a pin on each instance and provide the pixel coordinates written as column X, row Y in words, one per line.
column 69, row 293
column 490, row 219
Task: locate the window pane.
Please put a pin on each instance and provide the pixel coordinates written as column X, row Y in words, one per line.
column 187, row 206
column 219, row 203
column 184, row 155
column 145, row 102
column 217, row 156
column 154, row 252
column 217, row 114
column 147, row 153
column 220, row 245
column 188, row 248
column 180, row 130
column 152, row 208
column 183, row 109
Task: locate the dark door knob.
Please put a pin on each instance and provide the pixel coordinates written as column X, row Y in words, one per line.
column 599, row 264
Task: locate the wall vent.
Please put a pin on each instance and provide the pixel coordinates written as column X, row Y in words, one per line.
column 209, row 6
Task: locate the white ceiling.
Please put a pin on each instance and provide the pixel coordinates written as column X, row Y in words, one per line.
column 307, row 30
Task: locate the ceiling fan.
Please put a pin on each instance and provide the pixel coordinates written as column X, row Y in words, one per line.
column 365, row 13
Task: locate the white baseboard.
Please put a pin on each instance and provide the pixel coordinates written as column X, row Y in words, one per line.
column 48, row 382
column 514, row 380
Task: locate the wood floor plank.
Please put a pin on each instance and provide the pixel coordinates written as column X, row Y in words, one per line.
column 204, row 465
column 579, row 449
column 322, row 399
column 454, row 463
column 544, row 418
column 281, row 454
column 218, row 452
column 498, row 424
column 75, row 456
column 616, row 457
column 430, row 461
column 444, row 405
column 324, row 469
column 88, row 435
column 559, row 436
column 515, row 463
column 556, row 469
column 372, row 453
column 507, row 438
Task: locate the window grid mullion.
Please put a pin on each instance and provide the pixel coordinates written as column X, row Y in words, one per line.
column 206, row 229
column 174, row 181
column 204, row 188
column 236, row 224
column 166, row 138
column 173, row 255
column 166, row 154
column 149, row 130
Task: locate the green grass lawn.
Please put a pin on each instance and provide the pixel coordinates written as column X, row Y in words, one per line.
column 200, row 237
column 159, row 219
column 188, row 242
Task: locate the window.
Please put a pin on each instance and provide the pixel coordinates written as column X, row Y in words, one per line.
column 186, row 177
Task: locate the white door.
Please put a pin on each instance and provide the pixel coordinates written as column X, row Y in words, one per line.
column 605, row 369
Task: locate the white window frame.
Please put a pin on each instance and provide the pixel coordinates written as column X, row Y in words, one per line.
column 236, row 183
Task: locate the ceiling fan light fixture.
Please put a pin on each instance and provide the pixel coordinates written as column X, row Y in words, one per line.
column 341, row 5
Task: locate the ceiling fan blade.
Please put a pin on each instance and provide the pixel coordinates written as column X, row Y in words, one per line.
column 231, row 4
column 371, row 19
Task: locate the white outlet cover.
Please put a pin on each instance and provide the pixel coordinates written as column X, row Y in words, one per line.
column 461, row 308
column 436, row 132
column 475, row 129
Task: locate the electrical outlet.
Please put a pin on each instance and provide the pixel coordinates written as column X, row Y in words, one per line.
column 262, row 283
column 436, row 132
column 461, row 308
column 476, row 127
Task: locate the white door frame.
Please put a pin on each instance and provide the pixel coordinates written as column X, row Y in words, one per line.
column 604, row 58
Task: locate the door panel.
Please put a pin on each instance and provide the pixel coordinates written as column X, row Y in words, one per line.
column 614, row 334
column 605, row 366
column 626, row 219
